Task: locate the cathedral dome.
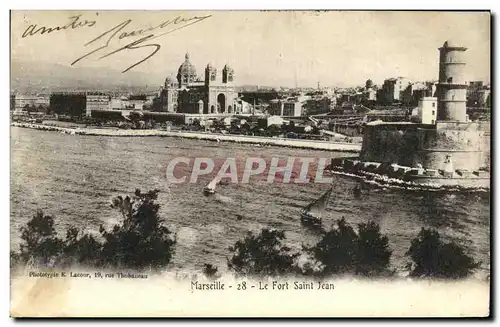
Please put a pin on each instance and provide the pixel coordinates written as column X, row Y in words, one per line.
column 187, row 69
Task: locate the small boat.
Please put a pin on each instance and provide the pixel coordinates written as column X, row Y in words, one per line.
column 210, row 188
column 311, row 214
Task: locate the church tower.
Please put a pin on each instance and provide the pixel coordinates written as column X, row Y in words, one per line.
column 210, row 75
column 227, row 74
column 169, row 95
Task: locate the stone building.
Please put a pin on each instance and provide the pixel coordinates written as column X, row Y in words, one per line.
column 21, row 101
column 478, row 94
column 96, row 101
column 392, row 90
column 291, row 107
column 215, row 94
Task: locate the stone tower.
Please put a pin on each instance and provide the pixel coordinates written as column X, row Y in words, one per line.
column 453, row 141
column 452, row 87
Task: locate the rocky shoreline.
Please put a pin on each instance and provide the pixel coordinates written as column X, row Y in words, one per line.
column 396, row 177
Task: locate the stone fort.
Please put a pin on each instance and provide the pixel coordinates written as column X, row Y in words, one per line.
column 452, row 140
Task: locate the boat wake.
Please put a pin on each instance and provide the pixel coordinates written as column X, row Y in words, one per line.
column 223, row 199
column 383, row 181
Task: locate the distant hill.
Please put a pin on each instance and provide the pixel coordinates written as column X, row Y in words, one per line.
column 32, row 77
column 28, row 77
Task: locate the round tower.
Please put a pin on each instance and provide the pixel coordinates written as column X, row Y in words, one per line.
column 452, row 86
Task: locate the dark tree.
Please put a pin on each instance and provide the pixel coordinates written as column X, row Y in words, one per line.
column 434, row 258
column 83, row 250
column 40, row 241
column 141, row 241
column 343, row 251
column 337, row 249
column 210, row 270
column 373, row 253
column 262, row 254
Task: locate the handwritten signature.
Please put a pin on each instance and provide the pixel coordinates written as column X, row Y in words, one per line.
column 74, row 23
column 118, row 32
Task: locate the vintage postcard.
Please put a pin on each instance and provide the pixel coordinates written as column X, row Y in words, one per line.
column 250, row 163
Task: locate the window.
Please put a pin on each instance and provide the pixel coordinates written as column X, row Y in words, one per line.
column 432, row 121
column 433, row 112
column 434, row 105
column 449, row 80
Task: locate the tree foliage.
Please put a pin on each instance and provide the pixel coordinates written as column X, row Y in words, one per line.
column 40, row 240
column 434, row 258
column 262, row 254
column 373, row 254
column 210, row 270
column 140, row 240
column 343, row 251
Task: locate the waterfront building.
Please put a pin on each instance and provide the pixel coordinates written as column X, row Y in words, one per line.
column 291, row 107
column 23, row 101
column 69, row 103
column 96, row 101
column 137, row 102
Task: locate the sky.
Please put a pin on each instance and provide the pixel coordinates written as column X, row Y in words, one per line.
column 277, row 48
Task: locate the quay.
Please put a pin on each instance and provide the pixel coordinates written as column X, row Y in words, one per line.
column 273, row 141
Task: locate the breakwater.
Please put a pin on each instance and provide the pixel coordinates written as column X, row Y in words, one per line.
column 293, row 143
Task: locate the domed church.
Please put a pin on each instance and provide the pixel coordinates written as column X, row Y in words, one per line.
column 215, row 94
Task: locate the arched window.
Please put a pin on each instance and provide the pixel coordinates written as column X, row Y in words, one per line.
column 212, row 109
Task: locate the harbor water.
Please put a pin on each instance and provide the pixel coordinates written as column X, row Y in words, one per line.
column 74, row 177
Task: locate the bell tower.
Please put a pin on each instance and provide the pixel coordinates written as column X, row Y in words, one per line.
column 210, row 75
column 227, row 74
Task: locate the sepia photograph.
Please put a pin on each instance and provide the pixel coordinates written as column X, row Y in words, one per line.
column 250, row 163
